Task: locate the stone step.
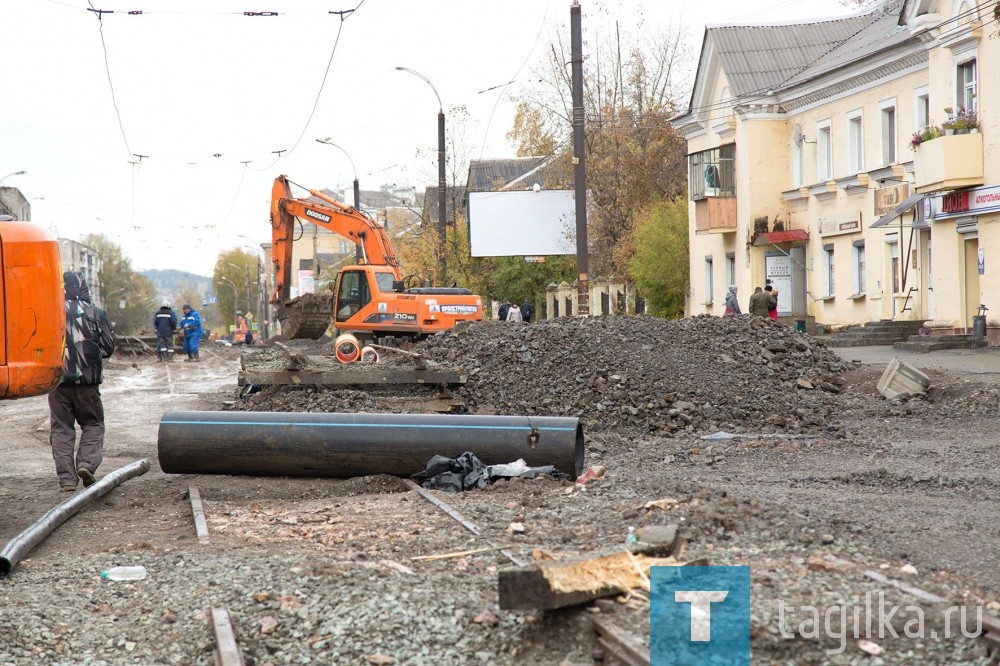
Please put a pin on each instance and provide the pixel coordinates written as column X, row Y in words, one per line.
column 951, row 337
column 894, row 324
column 931, row 343
column 874, row 341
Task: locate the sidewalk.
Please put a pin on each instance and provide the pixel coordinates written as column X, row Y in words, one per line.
column 980, row 363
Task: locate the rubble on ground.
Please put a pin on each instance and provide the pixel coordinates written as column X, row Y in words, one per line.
column 638, row 373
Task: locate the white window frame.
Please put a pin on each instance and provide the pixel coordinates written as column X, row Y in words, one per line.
column 858, row 267
column 824, row 150
column 855, row 142
column 963, row 88
column 922, row 108
column 829, row 275
column 709, row 282
column 888, row 140
column 730, row 268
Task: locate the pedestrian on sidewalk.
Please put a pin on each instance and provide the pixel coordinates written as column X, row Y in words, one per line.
column 191, row 323
column 77, row 400
column 732, row 302
column 772, row 302
column 527, row 310
column 165, row 323
column 758, row 302
column 514, row 313
column 503, row 310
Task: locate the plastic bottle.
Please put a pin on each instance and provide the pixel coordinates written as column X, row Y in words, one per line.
column 124, row 573
column 631, row 538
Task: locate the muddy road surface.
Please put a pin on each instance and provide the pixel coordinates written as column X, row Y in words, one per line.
column 322, row 571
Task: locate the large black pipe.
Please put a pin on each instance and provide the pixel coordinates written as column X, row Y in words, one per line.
column 350, row 445
column 22, row 544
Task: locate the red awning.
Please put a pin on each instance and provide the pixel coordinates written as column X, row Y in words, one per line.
column 776, row 237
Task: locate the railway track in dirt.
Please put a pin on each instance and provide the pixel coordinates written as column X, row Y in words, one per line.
column 221, row 631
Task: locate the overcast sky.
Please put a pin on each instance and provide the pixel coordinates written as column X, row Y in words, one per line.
column 198, row 89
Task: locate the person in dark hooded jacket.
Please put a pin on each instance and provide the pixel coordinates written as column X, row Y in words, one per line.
column 165, row 323
column 77, row 399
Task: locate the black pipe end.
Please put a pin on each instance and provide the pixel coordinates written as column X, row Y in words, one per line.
column 579, row 453
column 6, row 566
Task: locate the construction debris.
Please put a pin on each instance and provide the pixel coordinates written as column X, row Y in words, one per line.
column 902, row 378
column 550, row 585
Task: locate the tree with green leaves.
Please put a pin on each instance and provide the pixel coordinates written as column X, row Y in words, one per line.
column 633, row 154
column 661, row 263
column 129, row 298
column 235, row 282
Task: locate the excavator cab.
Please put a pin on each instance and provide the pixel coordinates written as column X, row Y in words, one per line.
column 353, row 293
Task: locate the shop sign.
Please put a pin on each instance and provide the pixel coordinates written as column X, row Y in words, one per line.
column 966, row 202
column 887, row 198
column 840, row 223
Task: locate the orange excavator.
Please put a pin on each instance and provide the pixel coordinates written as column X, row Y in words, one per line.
column 371, row 299
column 32, row 311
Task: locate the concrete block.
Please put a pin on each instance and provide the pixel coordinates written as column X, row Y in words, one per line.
column 900, row 377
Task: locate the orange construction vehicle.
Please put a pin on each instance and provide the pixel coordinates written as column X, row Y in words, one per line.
column 32, row 311
column 372, row 299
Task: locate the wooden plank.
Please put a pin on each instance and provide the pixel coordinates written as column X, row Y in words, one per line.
column 915, row 591
column 561, row 583
column 200, row 525
column 448, row 509
column 227, row 652
column 992, row 624
column 618, row 646
column 350, row 377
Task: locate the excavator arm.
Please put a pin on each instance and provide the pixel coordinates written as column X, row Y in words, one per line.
column 371, row 239
column 309, row 315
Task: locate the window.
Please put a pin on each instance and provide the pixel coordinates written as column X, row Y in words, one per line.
column 824, row 152
column 730, row 268
column 967, row 85
column 353, row 294
column 828, row 272
column 855, row 144
column 923, row 108
column 858, row 261
column 712, row 172
column 709, row 288
column 887, row 111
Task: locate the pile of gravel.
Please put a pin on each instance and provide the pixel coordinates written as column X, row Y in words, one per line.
column 637, row 373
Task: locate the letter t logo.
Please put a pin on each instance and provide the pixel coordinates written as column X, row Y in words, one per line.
column 701, row 611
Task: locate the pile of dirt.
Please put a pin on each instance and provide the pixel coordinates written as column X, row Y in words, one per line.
column 637, row 373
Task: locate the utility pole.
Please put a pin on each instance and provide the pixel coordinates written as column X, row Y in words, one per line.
column 580, row 171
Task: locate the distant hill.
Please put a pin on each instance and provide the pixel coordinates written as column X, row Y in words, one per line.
column 169, row 282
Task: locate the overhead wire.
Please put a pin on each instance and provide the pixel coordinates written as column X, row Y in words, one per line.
column 107, row 70
column 504, row 86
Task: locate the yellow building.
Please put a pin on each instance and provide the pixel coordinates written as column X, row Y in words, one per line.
column 803, row 173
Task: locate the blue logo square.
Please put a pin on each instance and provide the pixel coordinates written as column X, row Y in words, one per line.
column 699, row 615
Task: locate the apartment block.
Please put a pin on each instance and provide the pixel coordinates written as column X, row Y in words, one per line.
column 853, row 163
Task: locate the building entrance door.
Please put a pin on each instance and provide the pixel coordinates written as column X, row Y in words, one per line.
column 972, row 299
column 928, row 296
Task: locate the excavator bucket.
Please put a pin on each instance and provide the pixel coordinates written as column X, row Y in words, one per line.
column 306, row 317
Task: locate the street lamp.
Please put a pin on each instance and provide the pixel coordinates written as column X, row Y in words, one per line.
column 259, row 301
column 442, row 198
column 15, row 173
column 246, row 280
column 357, row 187
column 235, row 295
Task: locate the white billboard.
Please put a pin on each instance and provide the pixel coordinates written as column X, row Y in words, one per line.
column 528, row 223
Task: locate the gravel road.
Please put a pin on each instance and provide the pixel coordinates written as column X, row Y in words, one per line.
column 827, row 483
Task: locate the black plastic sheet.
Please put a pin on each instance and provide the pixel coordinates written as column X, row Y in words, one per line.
column 467, row 472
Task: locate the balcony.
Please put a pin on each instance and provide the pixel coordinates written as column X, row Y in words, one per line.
column 948, row 163
column 715, row 215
